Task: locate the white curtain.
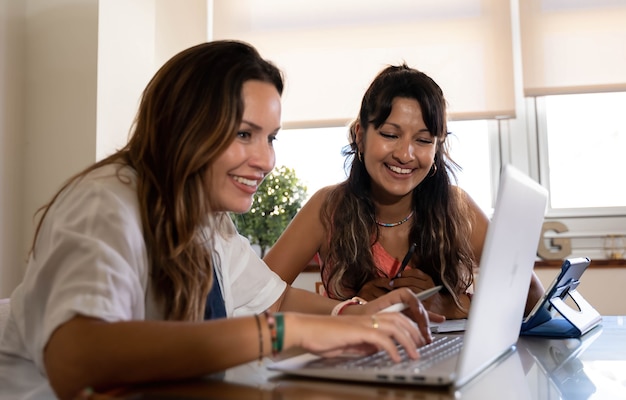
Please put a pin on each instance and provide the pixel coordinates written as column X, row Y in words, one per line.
column 573, row 46
column 331, row 50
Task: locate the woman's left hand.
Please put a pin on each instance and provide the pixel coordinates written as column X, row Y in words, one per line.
column 414, row 279
column 415, row 309
column 375, row 288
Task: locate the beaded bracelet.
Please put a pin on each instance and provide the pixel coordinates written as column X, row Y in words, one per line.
column 350, row 302
column 276, row 325
column 271, row 324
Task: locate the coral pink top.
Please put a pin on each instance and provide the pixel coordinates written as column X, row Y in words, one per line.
column 388, row 266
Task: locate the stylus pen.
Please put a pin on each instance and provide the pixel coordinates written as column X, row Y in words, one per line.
column 423, row 295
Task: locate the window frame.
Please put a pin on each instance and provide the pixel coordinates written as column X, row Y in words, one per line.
column 537, row 105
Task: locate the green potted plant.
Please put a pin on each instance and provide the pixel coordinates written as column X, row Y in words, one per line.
column 275, row 204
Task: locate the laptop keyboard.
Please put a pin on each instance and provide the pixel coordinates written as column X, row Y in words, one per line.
column 440, row 349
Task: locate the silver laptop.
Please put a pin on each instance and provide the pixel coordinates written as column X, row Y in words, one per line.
column 496, row 312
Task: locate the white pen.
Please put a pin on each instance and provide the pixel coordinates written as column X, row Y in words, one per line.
column 423, row 295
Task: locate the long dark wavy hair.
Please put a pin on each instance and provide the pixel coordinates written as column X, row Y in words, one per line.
column 441, row 227
column 189, row 114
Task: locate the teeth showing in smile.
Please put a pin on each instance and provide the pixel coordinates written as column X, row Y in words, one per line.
column 247, row 182
column 399, row 170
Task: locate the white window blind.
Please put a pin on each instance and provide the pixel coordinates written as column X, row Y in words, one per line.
column 573, row 46
column 331, row 50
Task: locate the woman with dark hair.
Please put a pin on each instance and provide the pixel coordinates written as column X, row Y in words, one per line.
column 398, row 196
column 133, row 254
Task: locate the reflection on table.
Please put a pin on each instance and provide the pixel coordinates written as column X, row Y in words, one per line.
column 590, row 367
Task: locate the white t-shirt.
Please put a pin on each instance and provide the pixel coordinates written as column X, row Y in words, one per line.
column 91, row 259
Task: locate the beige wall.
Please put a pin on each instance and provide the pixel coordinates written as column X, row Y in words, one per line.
column 134, row 39
column 71, row 73
column 11, row 141
column 49, row 68
column 603, row 288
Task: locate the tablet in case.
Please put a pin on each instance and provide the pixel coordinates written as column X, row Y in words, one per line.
column 553, row 316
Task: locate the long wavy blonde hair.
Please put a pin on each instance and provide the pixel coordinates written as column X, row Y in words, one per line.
column 189, row 114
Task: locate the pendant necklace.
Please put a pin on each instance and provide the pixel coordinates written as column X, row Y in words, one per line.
column 383, row 224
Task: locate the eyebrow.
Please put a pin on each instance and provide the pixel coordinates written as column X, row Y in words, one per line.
column 252, row 124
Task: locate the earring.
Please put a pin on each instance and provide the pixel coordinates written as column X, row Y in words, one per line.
column 359, row 156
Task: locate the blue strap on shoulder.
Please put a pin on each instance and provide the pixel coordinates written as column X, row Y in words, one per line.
column 215, row 307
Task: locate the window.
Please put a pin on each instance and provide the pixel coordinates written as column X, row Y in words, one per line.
column 470, row 147
column 315, row 155
column 582, row 140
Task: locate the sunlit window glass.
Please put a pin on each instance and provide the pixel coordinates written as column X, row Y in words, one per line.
column 469, row 147
column 314, row 155
column 586, row 136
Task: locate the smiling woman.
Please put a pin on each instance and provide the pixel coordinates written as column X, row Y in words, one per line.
column 399, row 191
column 136, row 262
